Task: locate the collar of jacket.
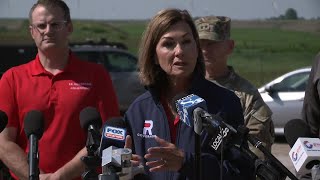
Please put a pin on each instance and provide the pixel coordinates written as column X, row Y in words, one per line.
column 196, row 84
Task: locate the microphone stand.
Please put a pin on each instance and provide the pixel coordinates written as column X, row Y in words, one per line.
column 116, row 165
column 92, row 160
column 244, row 132
column 315, row 172
column 197, row 129
column 263, row 169
column 267, row 168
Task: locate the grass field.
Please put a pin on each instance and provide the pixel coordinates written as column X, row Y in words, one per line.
column 264, row 49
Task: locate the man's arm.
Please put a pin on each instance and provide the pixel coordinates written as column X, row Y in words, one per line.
column 12, row 155
column 70, row 170
column 258, row 120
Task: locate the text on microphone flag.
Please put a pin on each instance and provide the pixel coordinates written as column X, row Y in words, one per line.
column 114, row 133
column 186, row 105
column 304, row 154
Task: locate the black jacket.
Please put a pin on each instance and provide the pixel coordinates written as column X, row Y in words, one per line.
column 311, row 104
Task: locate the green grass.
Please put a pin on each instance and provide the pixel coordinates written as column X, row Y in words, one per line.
column 263, row 54
column 260, row 54
column 133, row 31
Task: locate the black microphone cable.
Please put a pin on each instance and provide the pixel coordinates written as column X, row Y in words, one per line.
column 221, row 154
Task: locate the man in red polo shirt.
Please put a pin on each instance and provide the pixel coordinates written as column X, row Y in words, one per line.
column 60, row 86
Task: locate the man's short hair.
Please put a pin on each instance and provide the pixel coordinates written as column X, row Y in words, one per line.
column 52, row 4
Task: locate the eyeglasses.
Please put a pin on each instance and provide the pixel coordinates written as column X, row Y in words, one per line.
column 55, row 26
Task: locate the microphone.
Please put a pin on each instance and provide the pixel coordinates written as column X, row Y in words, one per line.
column 222, row 132
column 186, row 104
column 33, row 127
column 192, row 111
column 191, row 107
column 90, row 121
column 116, row 162
column 3, row 120
column 113, row 134
column 305, row 150
column 294, row 129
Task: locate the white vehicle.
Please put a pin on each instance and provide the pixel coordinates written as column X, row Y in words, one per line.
column 285, row 95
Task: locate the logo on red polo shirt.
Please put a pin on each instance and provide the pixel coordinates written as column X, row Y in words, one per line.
column 80, row 85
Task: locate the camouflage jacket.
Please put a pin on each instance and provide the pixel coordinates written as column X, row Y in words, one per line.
column 257, row 114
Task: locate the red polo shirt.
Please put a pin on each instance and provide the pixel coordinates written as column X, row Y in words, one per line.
column 60, row 97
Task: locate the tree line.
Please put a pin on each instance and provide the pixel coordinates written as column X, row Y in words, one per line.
column 290, row 14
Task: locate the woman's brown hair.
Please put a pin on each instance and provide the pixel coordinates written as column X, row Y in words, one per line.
column 151, row 73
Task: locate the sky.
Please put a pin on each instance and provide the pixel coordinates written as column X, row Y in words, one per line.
column 145, row 9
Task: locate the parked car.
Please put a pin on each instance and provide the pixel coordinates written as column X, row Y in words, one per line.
column 119, row 62
column 284, row 95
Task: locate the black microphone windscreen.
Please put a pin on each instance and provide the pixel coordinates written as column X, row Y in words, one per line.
column 3, row 120
column 116, row 122
column 294, row 129
column 90, row 116
column 34, row 123
column 175, row 99
column 114, row 133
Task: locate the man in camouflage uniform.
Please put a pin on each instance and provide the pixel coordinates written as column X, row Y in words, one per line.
column 216, row 45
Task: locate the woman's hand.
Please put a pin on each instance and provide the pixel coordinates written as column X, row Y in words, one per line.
column 169, row 157
column 136, row 159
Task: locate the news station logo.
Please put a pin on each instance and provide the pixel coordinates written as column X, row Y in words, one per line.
column 294, row 156
column 218, row 140
column 190, row 100
column 186, row 105
column 296, row 152
column 307, row 144
column 115, row 133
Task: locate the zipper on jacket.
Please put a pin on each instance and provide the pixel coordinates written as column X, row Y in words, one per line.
column 177, row 144
column 168, row 174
